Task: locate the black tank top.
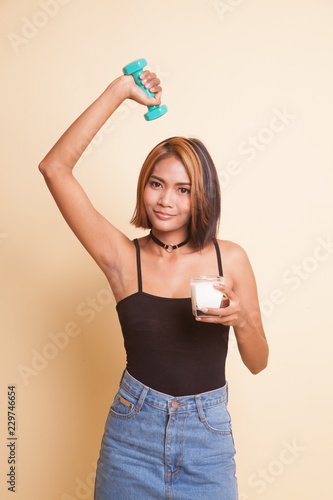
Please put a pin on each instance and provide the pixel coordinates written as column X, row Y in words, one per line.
column 166, row 348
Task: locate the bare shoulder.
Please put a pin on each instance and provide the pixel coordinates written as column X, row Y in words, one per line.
column 233, row 253
column 236, row 264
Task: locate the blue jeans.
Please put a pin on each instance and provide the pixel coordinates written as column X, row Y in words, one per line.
column 157, row 447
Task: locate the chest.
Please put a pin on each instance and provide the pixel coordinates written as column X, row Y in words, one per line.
column 171, row 277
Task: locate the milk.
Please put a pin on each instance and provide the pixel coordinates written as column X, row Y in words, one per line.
column 204, row 294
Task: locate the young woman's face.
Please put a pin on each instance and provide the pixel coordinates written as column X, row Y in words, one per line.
column 167, row 195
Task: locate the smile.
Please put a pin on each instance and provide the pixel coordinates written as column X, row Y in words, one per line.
column 163, row 216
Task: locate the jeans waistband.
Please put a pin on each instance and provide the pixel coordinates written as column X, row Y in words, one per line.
column 172, row 403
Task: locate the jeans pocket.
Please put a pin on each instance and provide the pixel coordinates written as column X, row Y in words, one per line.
column 217, row 419
column 123, row 406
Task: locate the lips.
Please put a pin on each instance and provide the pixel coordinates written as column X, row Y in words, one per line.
column 163, row 215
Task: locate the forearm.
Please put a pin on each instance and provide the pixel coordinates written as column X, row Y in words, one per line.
column 69, row 148
column 252, row 344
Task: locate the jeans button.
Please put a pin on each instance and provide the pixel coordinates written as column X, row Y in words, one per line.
column 174, row 404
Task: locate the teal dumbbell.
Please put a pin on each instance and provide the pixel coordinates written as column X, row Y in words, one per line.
column 135, row 69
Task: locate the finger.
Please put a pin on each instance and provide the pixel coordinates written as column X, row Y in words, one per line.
column 218, row 311
column 225, row 302
column 156, row 100
column 147, row 76
column 206, row 319
column 227, row 321
column 144, row 74
column 156, row 90
column 153, row 84
column 209, row 319
column 157, row 97
column 150, row 77
column 226, row 290
column 143, row 98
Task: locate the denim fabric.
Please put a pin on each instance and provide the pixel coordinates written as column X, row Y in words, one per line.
column 157, row 447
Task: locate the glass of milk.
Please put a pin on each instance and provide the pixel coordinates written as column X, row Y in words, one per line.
column 204, row 294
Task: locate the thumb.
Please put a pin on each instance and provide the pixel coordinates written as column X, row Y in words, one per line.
column 141, row 97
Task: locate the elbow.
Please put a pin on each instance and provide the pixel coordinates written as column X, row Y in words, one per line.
column 48, row 169
column 257, row 369
column 259, row 366
column 43, row 167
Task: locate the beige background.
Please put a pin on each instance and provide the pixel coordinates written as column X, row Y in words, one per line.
column 229, row 68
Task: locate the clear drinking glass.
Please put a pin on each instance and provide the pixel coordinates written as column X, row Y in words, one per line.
column 204, row 294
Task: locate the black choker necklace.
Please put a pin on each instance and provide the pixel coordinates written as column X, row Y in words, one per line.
column 168, row 248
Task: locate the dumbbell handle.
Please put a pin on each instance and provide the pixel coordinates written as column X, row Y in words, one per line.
column 138, row 81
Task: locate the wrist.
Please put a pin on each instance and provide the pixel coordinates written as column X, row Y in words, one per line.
column 120, row 88
column 245, row 327
column 244, row 320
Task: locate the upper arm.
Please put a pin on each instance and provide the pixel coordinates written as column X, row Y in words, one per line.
column 244, row 282
column 100, row 238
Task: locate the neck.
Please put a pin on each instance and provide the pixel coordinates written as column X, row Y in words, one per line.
column 171, row 237
column 169, row 241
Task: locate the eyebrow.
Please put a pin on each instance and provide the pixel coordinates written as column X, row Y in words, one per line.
column 177, row 184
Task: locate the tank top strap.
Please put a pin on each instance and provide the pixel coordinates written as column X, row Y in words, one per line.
column 219, row 260
column 138, row 264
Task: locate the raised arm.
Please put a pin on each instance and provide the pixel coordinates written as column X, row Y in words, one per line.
column 102, row 240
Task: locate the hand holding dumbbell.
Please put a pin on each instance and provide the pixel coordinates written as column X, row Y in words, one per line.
column 135, row 69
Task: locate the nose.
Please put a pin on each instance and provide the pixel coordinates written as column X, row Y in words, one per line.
column 166, row 198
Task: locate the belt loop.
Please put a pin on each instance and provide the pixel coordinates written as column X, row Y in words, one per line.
column 199, row 408
column 142, row 398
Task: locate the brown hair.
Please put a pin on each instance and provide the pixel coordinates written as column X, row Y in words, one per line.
column 205, row 187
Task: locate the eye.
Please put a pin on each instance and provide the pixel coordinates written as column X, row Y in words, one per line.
column 155, row 184
column 184, row 190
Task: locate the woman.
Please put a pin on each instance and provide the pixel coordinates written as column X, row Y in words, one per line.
column 168, row 433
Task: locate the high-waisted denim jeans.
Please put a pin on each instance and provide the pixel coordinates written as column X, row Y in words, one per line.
column 157, row 447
